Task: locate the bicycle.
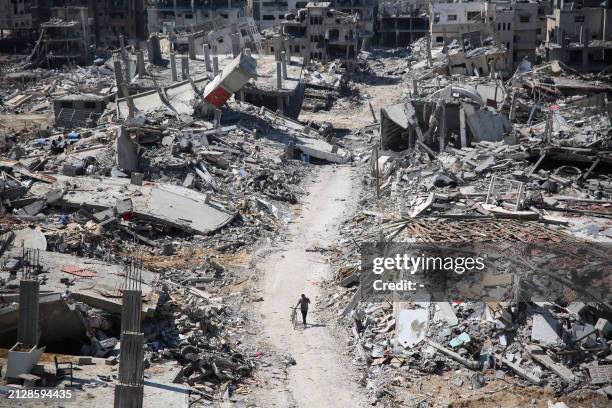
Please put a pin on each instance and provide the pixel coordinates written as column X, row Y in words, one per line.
column 294, row 321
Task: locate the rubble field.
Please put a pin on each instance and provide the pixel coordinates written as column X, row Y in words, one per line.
column 163, row 205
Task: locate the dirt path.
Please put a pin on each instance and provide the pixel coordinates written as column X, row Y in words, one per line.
column 322, row 376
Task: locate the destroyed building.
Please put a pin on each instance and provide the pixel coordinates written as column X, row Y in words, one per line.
column 519, row 26
column 169, row 16
column 580, row 37
column 18, row 19
column 271, row 13
column 399, row 24
column 65, row 39
column 321, row 33
column 106, row 19
column 163, row 203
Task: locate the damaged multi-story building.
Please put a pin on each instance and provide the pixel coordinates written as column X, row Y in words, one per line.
column 107, row 19
column 271, row 13
column 18, row 19
column 580, row 35
column 64, row 39
column 399, row 23
column 518, row 26
column 165, row 16
column 319, row 32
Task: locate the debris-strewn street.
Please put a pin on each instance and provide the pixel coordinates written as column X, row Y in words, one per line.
column 288, row 204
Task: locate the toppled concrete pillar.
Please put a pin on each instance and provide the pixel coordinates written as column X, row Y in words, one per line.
column 184, row 67
column 230, row 80
column 173, row 66
column 140, row 64
column 284, row 64
column 207, row 57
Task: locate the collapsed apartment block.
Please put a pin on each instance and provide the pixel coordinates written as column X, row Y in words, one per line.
column 321, row 33
column 457, row 116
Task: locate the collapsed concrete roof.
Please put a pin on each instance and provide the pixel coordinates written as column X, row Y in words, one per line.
column 167, row 204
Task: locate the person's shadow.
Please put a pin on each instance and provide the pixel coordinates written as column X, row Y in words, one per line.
column 311, row 325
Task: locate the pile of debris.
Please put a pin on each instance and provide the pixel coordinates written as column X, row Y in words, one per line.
column 450, row 169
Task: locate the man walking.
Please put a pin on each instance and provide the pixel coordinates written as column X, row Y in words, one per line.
column 303, row 304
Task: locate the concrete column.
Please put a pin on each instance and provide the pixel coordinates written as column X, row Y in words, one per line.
column 217, row 119
column 428, row 45
column 288, row 51
column 173, row 66
column 278, row 44
column 462, row 131
column 27, row 327
column 415, row 87
column 131, row 352
column 128, row 100
column 131, row 311
column 118, row 76
column 280, row 104
column 128, row 70
column 235, row 44
column 442, row 127
column 279, row 78
column 140, row 64
column 284, row 64
column 128, row 396
column 150, row 52
column 184, row 67
column 207, row 57
column 192, row 49
column 215, row 64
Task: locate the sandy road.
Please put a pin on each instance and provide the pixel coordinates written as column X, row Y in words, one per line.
column 322, row 376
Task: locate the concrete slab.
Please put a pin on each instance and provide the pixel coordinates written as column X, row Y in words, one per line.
column 167, row 204
column 101, row 291
column 544, row 330
column 30, row 238
column 412, row 326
